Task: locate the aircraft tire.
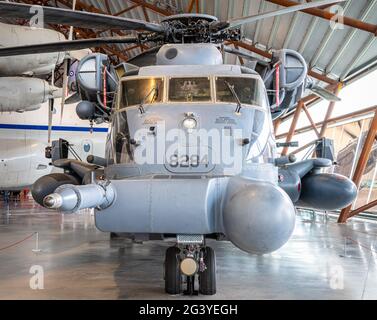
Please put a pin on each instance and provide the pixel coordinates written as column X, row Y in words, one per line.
column 207, row 278
column 173, row 276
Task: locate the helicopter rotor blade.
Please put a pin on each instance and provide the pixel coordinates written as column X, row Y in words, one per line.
column 73, row 18
column 62, row 46
column 250, row 19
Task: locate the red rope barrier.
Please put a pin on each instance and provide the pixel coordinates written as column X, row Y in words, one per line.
column 17, row 243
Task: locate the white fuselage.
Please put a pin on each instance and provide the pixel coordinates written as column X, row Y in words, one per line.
column 23, row 139
column 20, row 92
column 31, row 64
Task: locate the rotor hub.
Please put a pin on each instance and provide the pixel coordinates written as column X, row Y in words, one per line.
column 191, row 17
column 197, row 28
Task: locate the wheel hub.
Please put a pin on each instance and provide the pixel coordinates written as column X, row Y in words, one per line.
column 189, row 266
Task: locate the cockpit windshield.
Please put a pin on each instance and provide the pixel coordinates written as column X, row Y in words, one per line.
column 189, row 90
column 142, row 91
column 248, row 90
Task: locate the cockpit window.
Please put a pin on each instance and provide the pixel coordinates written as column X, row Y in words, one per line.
column 142, row 91
column 189, row 90
column 248, row 90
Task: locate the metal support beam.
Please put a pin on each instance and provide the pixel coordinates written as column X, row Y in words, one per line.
column 291, row 30
column 273, row 34
column 312, row 27
column 369, row 10
column 361, row 165
column 262, row 8
column 326, row 40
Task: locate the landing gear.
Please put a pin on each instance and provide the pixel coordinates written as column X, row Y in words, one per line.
column 173, row 276
column 190, row 263
column 117, row 241
column 207, row 278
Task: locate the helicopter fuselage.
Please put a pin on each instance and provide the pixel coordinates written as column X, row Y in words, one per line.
column 179, row 162
column 191, row 152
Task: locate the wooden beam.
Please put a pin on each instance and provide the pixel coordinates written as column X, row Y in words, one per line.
column 308, row 115
column 277, row 123
column 331, row 121
column 86, row 33
column 242, row 62
column 145, row 14
column 330, row 111
column 361, row 165
column 363, row 209
column 324, row 14
column 153, row 7
column 127, row 9
column 190, row 6
column 293, row 126
column 304, row 147
column 108, row 7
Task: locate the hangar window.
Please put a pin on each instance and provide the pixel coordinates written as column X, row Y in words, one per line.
column 142, row 91
column 189, row 90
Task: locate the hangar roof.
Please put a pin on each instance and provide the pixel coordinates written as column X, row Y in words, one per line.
column 339, row 54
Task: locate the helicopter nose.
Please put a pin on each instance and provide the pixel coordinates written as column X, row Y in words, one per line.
column 259, row 218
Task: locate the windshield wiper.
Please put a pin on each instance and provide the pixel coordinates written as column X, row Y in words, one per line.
column 235, row 95
column 155, row 89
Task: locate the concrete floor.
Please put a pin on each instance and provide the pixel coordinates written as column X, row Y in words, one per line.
column 323, row 260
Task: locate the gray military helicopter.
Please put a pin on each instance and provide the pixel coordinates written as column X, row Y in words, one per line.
column 191, row 154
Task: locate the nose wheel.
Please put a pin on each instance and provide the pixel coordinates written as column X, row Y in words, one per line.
column 187, row 265
column 207, row 278
column 173, row 276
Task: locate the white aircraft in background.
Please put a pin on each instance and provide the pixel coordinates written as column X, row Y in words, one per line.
column 18, row 90
column 25, row 110
column 23, row 139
